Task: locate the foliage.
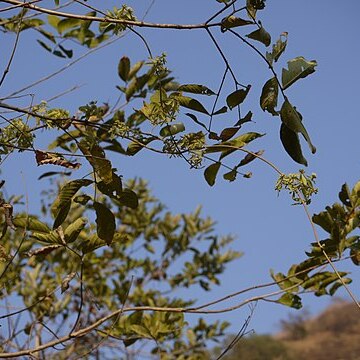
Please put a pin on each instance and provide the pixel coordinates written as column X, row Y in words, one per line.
column 124, row 268
column 259, row 347
column 341, row 222
column 104, row 241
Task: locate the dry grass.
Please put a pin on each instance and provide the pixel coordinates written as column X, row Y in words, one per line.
column 332, row 335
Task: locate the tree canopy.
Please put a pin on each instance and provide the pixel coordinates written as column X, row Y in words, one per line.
column 100, row 270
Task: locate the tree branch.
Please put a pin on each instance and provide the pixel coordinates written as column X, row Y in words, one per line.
column 112, row 20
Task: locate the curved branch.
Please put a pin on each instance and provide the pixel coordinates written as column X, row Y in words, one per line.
column 84, row 331
column 112, row 20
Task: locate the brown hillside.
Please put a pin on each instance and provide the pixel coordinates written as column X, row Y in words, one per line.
column 332, row 335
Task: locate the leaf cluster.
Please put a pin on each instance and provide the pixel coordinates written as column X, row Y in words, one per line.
column 339, row 221
column 147, row 241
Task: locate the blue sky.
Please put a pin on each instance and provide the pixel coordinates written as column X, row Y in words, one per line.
column 270, row 232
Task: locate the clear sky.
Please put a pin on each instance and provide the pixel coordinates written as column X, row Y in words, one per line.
column 270, row 232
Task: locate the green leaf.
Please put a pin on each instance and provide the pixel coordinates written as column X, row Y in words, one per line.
column 222, row 110
column 249, row 158
column 62, row 213
column 298, row 68
column 105, row 221
column 278, row 48
column 170, row 130
column 53, row 20
column 355, row 195
column 51, row 238
column 237, row 97
column 195, row 89
column 134, row 70
column 31, row 224
column 67, row 23
column 72, row 232
column 67, row 192
column 269, row 96
column 251, row 10
column 90, row 243
column 314, row 282
column 293, row 120
column 129, row 198
column 291, row 300
column 149, row 248
column 344, row 195
column 58, row 53
column 32, row 23
column 245, row 119
column 252, row 6
column 228, row 133
column 194, row 118
column 45, row 46
column 355, row 256
column 124, row 68
column 47, row 34
column 130, row 341
column 82, row 199
column 233, row 21
column 324, row 220
column 231, row 175
column 115, row 186
column 68, row 53
column 95, row 155
column 134, row 147
column 238, row 142
column 134, row 318
column 210, row 173
column 131, row 89
column 291, row 143
column 338, row 285
column 191, row 104
column 141, row 331
column 213, row 136
column 260, row 35
column 52, row 173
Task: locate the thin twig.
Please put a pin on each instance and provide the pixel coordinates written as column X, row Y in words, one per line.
column 84, row 331
column 7, row 69
column 223, row 57
column 59, row 71
column 117, row 318
column 81, row 296
column 221, row 11
column 112, row 20
column 242, row 332
column 262, row 57
column 217, row 96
